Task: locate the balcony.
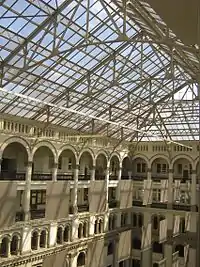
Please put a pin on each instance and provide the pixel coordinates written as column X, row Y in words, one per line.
column 159, row 205
column 99, row 177
column 139, row 177
column 125, row 177
column 12, row 176
column 113, row 203
column 184, row 207
column 41, row 177
column 137, row 203
column 113, row 177
column 84, row 177
column 64, row 177
column 157, row 177
column 83, row 207
column 37, row 214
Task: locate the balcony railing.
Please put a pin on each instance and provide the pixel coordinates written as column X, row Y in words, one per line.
column 137, row 203
column 37, row 214
column 41, row 177
column 113, row 177
column 125, row 177
column 68, row 177
column 83, row 207
column 100, row 177
column 8, row 175
column 185, row 207
column 139, row 177
column 84, row 177
column 159, row 205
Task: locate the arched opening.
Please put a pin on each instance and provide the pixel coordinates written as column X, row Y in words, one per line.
column 14, row 161
column 96, row 227
column 66, row 234
column 85, row 228
column 136, row 243
column 110, row 248
column 43, row 239
column 157, row 247
column 139, row 169
column 180, row 249
column 159, row 169
column 34, row 240
column 59, row 238
column 134, row 219
column 4, row 247
column 114, row 168
column 86, row 164
column 155, row 221
column 43, row 162
column 66, row 165
column 182, row 169
column 14, row 246
column 100, row 226
column 126, row 169
column 80, row 231
column 81, row 259
column 101, row 166
column 140, row 219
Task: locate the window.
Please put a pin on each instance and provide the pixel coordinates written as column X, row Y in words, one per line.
column 38, row 197
column 179, row 168
column 141, row 167
column 110, row 248
column 157, row 247
column 70, row 164
column 140, row 220
column 161, row 168
column 112, row 193
column 156, row 194
column 85, row 198
column 136, row 243
column 158, row 168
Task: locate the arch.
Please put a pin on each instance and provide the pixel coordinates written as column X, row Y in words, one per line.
column 85, row 229
column 90, row 152
column 80, row 230
column 115, row 154
column 14, row 246
column 66, row 233
column 81, row 259
column 160, row 156
column 102, row 152
column 183, row 156
column 19, row 140
column 4, row 246
column 45, row 144
column 43, row 239
column 101, row 163
column 70, row 148
column 126, row 168
column 34, row 240
column 142, row 157
column 59, row 236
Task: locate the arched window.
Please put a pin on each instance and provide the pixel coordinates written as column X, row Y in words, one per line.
column 155, row 222
column 110, row 248
column 81, row 259
column 85, row 229
column 14, row 246
column 66, row 234
column 136, row 243
column 34, row 240
column 80, row 230
column 4, row 247
column 180, row 249
column 96, row 227
column 100, row 226
column 59, row 238
column 43, row 239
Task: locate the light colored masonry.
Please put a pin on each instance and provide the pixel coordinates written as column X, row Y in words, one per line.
column 77, row 201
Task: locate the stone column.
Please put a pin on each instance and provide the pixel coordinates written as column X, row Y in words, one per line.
column 8, row 248
column 91, row 225
column 120, row 173
column 115, row 254
column 18, row 246
column 75, row 190
column 146, row 253
column 170, row 190
column 193, row 202
column 27, row 192
column 26, row 239
column 92, row 175
column 106, row 185
column 149, row 174
column 75, row 225
column 73, row 260
column 52, row 234
column 54, row 172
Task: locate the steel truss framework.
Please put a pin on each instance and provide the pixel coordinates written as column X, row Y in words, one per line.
column 111, row 59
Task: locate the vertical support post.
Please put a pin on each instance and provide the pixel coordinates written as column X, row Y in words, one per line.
column 170, row 190
column 27, row 192
column 92, row 175
column 54, row 172
column 75, row 196
column 149, row 174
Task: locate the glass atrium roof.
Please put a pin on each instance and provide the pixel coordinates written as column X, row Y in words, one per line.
column 98, row 67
